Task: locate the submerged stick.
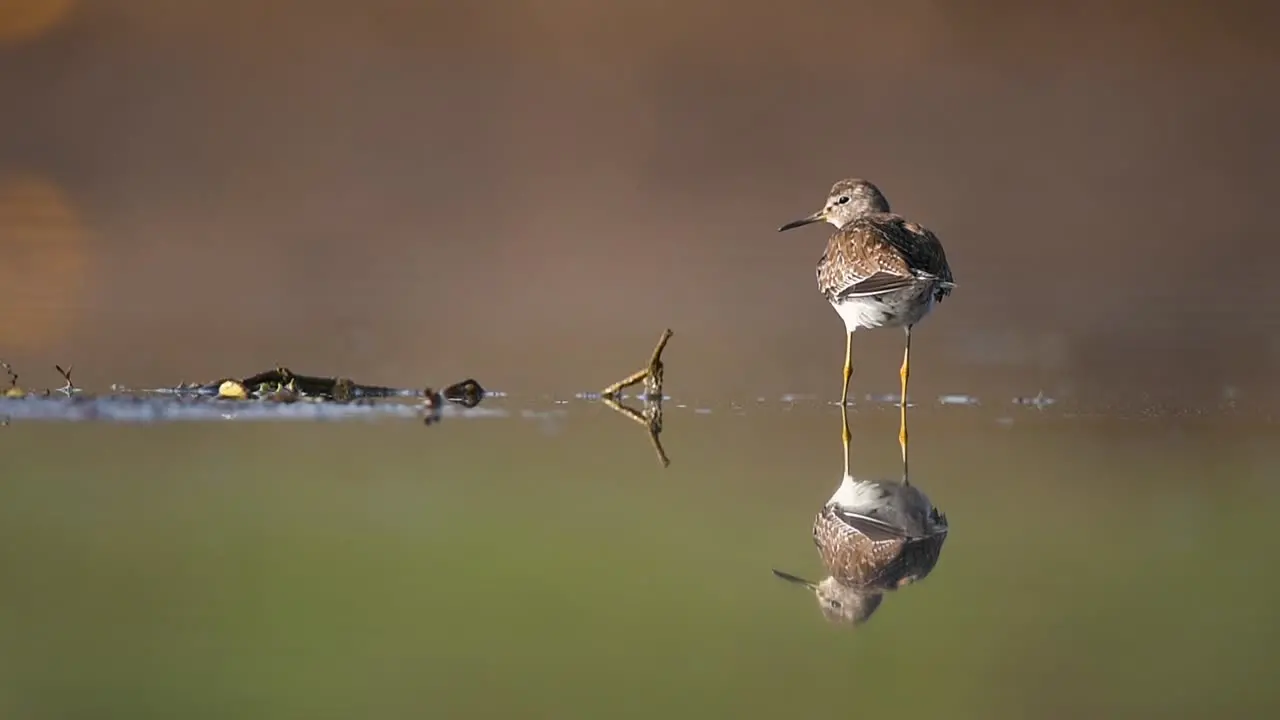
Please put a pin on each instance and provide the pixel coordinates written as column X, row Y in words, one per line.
column 13, row 391
column 650, row 418
column 16, row 392
column 70, row 387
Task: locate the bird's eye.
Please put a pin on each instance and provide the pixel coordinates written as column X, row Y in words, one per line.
column 843, row 199
column 835, row 604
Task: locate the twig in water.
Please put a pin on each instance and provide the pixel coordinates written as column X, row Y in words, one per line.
column 13, row 391
column 66, row 376
column 651, row 374
column 650, row 418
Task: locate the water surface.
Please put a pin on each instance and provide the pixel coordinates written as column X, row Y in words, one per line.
column 544, row 564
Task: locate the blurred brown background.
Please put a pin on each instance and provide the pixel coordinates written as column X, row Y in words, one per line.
column 529, row 191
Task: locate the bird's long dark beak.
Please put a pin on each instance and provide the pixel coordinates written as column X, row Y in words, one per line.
column 816, row 217
column 793, row 579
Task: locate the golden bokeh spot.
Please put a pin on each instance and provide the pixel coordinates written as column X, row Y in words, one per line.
column 43, row 263
column 27, row 19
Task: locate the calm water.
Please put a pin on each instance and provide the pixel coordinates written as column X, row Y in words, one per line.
column 526, row 193
column 544, row 564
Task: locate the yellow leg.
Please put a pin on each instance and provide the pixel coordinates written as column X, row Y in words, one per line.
column 848, row 368
column 845, row 435
column 902, row 443
column 844, row 395
column 904, row 373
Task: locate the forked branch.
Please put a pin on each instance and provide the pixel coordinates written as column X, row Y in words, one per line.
column 651, row 374
column 651, row 417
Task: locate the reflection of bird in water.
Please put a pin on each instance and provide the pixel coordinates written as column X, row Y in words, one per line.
column 879, row 534
column 839, row 603
column 874, row 536
column 879, row 270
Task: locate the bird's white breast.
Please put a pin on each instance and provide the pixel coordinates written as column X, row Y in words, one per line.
column 857, row 496
column 892, row 310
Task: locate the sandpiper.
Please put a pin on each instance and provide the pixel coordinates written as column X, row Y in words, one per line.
column 874, row 536
column 879, row 270
column 879, row 534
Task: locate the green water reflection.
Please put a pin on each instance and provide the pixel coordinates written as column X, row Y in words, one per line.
column 508, row 567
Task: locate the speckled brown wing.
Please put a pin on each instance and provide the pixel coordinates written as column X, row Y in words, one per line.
column 880, row 253
column 923, row 253
column 864, row 552
column 874, row 529
column 850, row 555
